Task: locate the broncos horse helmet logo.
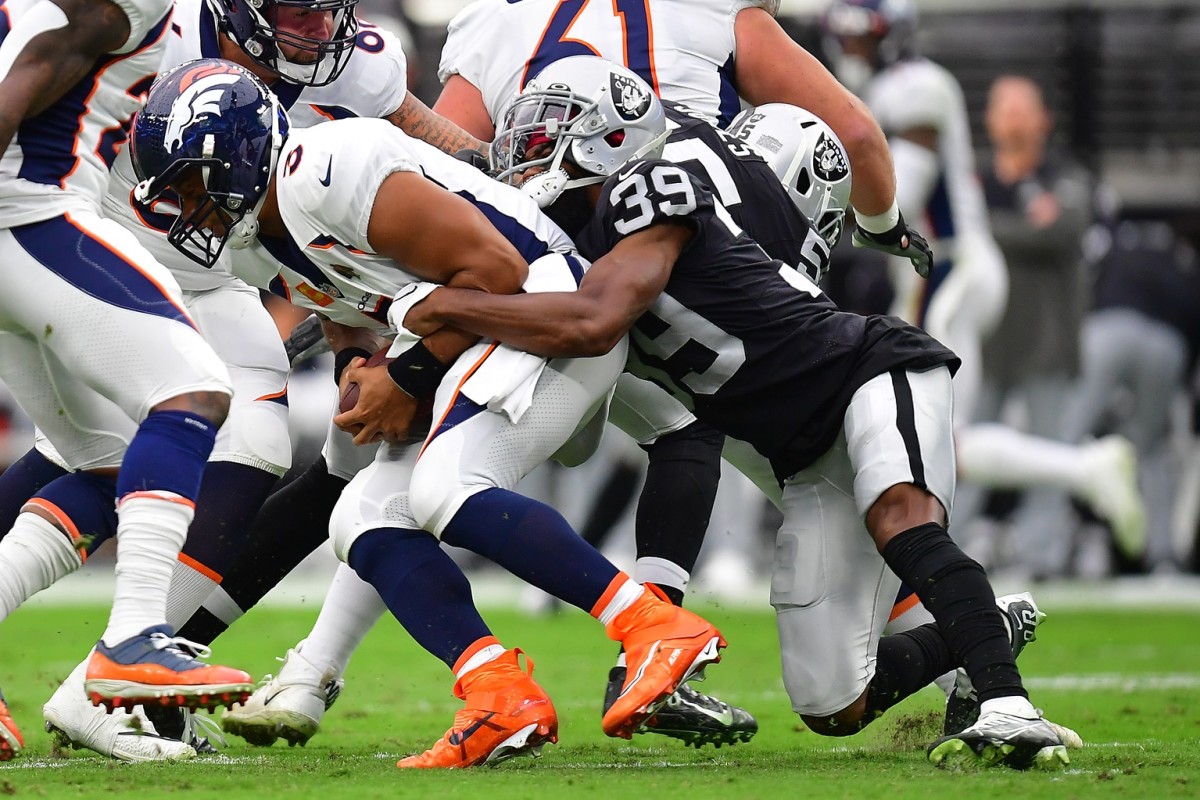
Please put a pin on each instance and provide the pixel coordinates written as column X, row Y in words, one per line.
column 200, row 93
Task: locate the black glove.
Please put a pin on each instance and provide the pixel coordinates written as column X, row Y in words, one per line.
column 475, row 158
column 899, row 241
column 304, row 338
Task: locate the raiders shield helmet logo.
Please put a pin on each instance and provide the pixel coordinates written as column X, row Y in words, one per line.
column 829, row 161
column 631, row 100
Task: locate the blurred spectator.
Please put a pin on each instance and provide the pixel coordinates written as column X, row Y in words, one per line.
column 1139, row 344
column 1039, row 207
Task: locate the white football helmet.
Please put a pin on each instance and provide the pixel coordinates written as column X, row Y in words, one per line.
column 808, row 158
column 595, row 113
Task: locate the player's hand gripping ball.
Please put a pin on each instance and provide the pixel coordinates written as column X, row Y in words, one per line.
column 422, row 419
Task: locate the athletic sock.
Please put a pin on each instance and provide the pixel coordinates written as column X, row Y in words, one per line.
column 231, row 495
column 532, row 541
column 351, row 609
column 677, row 499
column 292, row 523
column 84, row 505
column 906, row 662
column 956, row 591
column 157, row 486
column 1001, row 457
column 33, row 556
column 907, row 614
column 20, row 481
column 422, row 587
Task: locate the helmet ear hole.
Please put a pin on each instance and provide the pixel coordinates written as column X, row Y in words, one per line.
column 803, row 181
column 615, row 138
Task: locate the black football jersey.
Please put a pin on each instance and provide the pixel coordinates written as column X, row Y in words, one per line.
column 747, row 188
column 747, row 342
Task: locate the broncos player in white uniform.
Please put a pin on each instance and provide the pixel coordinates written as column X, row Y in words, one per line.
column 920, row 105
column 306, row 49
column 853, row 413
column 379, row 212
column 97, row 345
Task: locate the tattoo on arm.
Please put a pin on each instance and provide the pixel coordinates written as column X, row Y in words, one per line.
column 419, row 121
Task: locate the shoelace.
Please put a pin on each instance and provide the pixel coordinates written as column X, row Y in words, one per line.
column 184, row 647
column 202, row 728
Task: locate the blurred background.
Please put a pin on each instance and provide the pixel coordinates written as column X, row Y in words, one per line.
column 1120, row 80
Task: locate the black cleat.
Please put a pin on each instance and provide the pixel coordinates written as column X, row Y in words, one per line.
column 691, row 716
column 1021, row 618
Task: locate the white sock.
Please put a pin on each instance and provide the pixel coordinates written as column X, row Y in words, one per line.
column 1015, row 705
column 33, row 555
column 351, row 609
column 1003, row 458
column 190, row 587
column 629, row 593
column 151, row 529
column 485, row 654
column 662, row 572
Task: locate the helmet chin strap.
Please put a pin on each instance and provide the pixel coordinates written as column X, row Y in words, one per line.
column 245, row 230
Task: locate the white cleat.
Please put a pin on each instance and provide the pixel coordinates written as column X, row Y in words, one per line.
column 1113, row 492
column 123, row 735
column 998, row 738
column 286, row 706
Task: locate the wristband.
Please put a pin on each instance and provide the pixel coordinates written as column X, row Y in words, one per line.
column 879, row 223
column 343, row 359
column 417, row 371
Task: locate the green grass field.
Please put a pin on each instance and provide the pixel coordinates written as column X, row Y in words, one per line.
column 1128, row 681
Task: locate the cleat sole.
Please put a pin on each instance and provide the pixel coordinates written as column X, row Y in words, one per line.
column 123, row 694
column 262, row 730
column 527, row 741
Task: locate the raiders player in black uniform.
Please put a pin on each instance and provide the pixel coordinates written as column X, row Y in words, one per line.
column 851, row 412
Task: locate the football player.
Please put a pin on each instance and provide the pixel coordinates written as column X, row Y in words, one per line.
column 380, row 212
column 920, row 106
column 326, row 64
column 97, row 346
column 727, row 48
column 851, row 412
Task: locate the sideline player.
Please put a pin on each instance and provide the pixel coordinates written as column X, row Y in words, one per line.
column 325, row 65
column 921, row 107
column 91, row 325
column 853, row 413
column 359, row 198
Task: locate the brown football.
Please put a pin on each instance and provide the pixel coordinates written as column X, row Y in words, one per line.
column 423, row 418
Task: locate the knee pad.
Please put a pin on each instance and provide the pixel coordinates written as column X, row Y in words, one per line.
column 256, row 431
column 373, row 499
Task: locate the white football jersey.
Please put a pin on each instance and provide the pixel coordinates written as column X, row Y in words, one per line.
column 918, row 93
column 326, row 183
column 683, row 48
column 59, row 160
column 373, row 84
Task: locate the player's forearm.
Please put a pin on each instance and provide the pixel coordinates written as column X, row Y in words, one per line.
column 549, row 324
column 419, row 121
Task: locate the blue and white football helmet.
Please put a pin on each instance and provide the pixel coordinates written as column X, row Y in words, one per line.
column 253, row 24
column 218, row 119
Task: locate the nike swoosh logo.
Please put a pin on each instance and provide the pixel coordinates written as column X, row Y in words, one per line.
column 456, row 738
column 328, row 169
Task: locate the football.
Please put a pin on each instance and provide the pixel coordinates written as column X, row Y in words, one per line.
column 350, row 396
column 423, row 418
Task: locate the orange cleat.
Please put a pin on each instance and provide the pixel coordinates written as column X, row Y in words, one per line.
column 665, row 645
column 153, row 668
column 507, row 714
column 10, row 738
